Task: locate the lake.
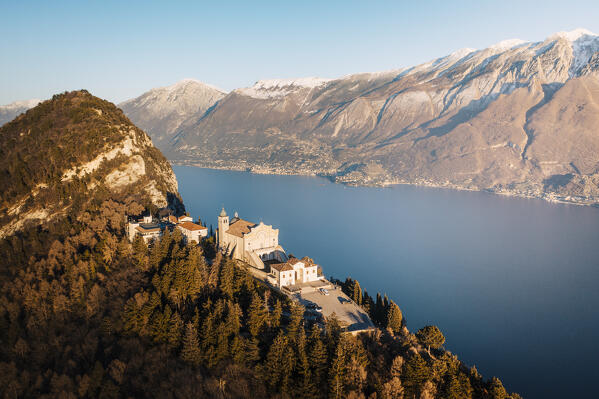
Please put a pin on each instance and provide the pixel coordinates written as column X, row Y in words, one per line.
column 511, row 282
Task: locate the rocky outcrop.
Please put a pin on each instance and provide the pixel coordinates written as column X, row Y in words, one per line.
column 509, row 118
column 71, row 150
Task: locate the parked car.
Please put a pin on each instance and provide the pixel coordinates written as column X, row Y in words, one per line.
column 314, row 307
column 324, row 291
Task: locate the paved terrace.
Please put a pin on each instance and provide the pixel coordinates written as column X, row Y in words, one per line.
column 352, row 317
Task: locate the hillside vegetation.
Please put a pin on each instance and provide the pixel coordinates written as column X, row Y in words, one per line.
column 86, row 313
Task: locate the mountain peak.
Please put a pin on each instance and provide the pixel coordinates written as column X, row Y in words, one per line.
column 186, row 83
column 574, row 35
column 507, row 44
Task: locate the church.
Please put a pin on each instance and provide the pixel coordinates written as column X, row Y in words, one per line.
column 253, row 243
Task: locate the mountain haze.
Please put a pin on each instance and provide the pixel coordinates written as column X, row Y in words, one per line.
column 517, row 117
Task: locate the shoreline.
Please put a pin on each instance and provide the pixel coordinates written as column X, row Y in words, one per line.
column 548, row 197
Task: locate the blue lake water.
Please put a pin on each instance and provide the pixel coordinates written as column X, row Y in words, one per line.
column 511, row 282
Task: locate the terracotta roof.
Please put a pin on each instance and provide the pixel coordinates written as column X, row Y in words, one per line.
column 142, row 229
column 307, row 261
column 172, row 219
column 281, row 266
column 240, row 227
column 292, row 260
column 191, row 226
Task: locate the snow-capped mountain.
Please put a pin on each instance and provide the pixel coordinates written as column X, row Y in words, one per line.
column 517, row 117
column 160, row 111
column 10, row 111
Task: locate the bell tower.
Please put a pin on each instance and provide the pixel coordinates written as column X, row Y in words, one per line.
column 223, row 225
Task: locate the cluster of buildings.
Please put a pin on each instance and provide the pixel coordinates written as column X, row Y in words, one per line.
column 150, row 229
column 258, row 245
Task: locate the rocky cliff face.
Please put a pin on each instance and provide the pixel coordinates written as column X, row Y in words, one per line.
column 160, row 112
column 517, row 117
column 68, row 152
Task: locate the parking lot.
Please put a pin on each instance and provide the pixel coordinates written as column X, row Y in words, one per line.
column 350, row 315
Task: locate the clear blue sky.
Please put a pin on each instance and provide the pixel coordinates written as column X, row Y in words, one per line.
column 117, row 50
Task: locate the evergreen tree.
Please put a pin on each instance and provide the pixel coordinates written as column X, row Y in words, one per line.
column 317, row 355
column 237, row 350
column 233, row 320
column 430, row 336
column 496, row 389
column 276, row 314
column 278, row 364
column 256, row 315
column 191, row 348
column 337, row 372
column 415, row 373
column 458, row 387
column 333, row 332
column 295, row 321
column 175, row 330
column 378, row 311
column 305, row 387
column 394, row 317
column 357, row 293
column 252, row 351
column 226, row 277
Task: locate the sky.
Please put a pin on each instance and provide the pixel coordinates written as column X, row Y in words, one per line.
column 118, row 50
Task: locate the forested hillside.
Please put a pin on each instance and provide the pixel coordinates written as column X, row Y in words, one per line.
column 86, row 313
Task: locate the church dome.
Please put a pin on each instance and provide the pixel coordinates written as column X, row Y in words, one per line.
column 222, row 212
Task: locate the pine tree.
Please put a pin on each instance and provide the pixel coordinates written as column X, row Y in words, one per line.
column 256, row 315
column 496, row 389
column 275, row 315
column 337, row 372
column 278, row 364
column 237, row 350
column 305, row 384
column 191, row 348
column 458, row 387
column 233, row 320
column 430, row 336
column 415, row 373
column 394, row 317
column 357, row 294
column 175, row 330
column 378, row 311
column 317, row 355
column 252, row 351
column 226, row 276
column 295, row 321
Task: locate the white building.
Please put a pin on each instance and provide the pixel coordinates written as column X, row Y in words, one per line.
column 144, row 227
column 192, row 231
column 294, row 271
column 247, row 241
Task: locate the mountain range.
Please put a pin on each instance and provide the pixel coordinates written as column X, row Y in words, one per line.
column 517, row 118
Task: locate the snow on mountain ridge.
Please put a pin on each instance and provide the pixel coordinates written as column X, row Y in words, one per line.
column 26, row 104
column 574, row 35
column 274, row 88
